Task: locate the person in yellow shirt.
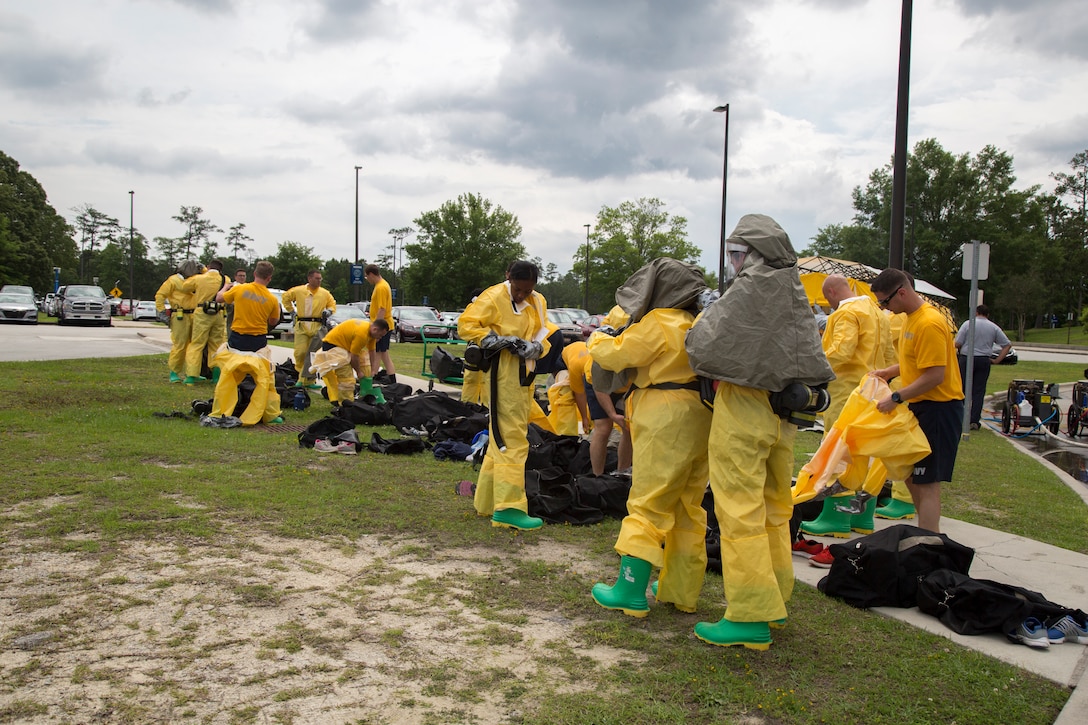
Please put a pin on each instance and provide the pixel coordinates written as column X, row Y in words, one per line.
column 665, row 524
column 576, row 359
column 381, row 307
column 178, row 316
column 856, row 341
column 345, row 356
column 602, row 407
column 932, row 385
column 508, row 322
column 209, row 321
column 309, row 302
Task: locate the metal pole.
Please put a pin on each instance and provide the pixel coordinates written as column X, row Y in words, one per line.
column 131, row 255
column 969, row 348
column 725, row 178
column 899, row 161
column 586, row 301
column 356, row 259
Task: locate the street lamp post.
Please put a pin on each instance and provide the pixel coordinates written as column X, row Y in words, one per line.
column 899, row 158
column 585, row 303
column 356, row 259
column 725, row 177
column 131, row 254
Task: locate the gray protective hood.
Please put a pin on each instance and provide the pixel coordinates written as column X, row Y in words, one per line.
column 663, row 283
column 761, row 333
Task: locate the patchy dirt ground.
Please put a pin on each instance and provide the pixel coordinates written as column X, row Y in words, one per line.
column 255, row 628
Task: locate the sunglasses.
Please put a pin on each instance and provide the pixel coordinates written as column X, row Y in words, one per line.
column 884, row 302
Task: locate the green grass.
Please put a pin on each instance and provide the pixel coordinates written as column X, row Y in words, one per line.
column 80, row 437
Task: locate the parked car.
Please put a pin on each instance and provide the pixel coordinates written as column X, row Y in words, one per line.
column 53, row 307
column 570, row 329
column 411, row 323
column 576, row 314
column 349, row 311
column 84, row 303
column 20, row 288
column 590, row 324
column 364, row 306
column 145, row 310
column 18, row 307
column 286, row 316
column 450, row 320
column 118, row 307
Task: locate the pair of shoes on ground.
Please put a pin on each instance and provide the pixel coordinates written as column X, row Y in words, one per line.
column 323, row 445
column 1034, row 633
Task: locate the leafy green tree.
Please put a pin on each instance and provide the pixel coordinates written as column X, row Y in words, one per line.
column 170, row 251
column 198, row 231
column 1070, row 226
column 291, row 262
column 626, row 238
column 236, row 241
column 336, row 276
column 95, row 230
column 461, row 246
column 33, row 237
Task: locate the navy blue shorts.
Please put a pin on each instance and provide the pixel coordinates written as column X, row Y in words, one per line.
column 596, row 412
column 942, row 423
column 383, row 343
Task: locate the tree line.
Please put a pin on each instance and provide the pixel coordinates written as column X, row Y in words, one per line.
column 1038, row 240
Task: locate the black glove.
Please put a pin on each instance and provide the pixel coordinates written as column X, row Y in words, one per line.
column 529, row 350
column 493, row 342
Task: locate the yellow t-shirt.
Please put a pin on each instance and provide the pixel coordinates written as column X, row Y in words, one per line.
column 927, row 342
column 576, row 358
column 353, row 335
column 382, row 297
column 253, row 305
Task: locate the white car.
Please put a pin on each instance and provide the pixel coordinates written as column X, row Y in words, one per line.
column 145, row 310
column 18, row 307
column 286, row 317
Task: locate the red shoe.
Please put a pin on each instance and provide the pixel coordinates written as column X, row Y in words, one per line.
column 807, row 548
column 823, row 560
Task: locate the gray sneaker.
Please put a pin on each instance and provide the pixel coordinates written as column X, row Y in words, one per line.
column 322, row 445
column 1072, row 631
column 1030, row 632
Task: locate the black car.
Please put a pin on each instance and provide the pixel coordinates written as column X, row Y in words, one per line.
column 411, row 323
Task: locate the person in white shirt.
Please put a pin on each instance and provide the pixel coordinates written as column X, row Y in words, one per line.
column 987, row 335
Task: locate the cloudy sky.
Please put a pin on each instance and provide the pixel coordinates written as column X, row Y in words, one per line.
column 258, row 111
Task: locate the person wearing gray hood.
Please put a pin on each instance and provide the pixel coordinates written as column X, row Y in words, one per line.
column 761, row 344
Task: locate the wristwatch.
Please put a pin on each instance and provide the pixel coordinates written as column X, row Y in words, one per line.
column 897, row 397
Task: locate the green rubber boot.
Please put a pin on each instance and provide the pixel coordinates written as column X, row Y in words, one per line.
column 863, row 522
column 174, row 377
column 896, row 509
column 753, row 635
column 193, row 379
column 628, row 594
column 830, row 522
column 215, row 375
column 515, row 519
column 366, row 387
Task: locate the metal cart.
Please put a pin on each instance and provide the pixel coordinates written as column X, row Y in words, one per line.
column 1030, row 403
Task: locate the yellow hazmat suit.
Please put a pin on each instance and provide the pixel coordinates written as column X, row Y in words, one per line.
column 181, row 321
column 308, row 304
column 666, row 523
column 857, row 340
column 758, row 338
column 501, row 483
column 350, row 337
column 209, row 329
column 234, row 365
column 562, row 411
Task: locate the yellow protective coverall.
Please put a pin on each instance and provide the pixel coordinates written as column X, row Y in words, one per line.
column 181, row 322
column 669, row 432
column 562, row 412
column 857, row 340
column 350, row 337
column 209, row 330
column 234, row 365
column 501, row 483
column 754, row 521
column 308, row 304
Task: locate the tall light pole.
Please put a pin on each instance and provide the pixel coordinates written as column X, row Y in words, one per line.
column 585, row 303
column 131, row 254
column 356, row 259
column 899, row 158
column 725, row 177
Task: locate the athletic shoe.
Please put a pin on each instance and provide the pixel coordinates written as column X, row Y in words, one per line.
column 1030, row 632
column 347, row 448
column 823, row 560
column 1072, row 631
column 321, row 445
column 1055, row 635
column 807, row 548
